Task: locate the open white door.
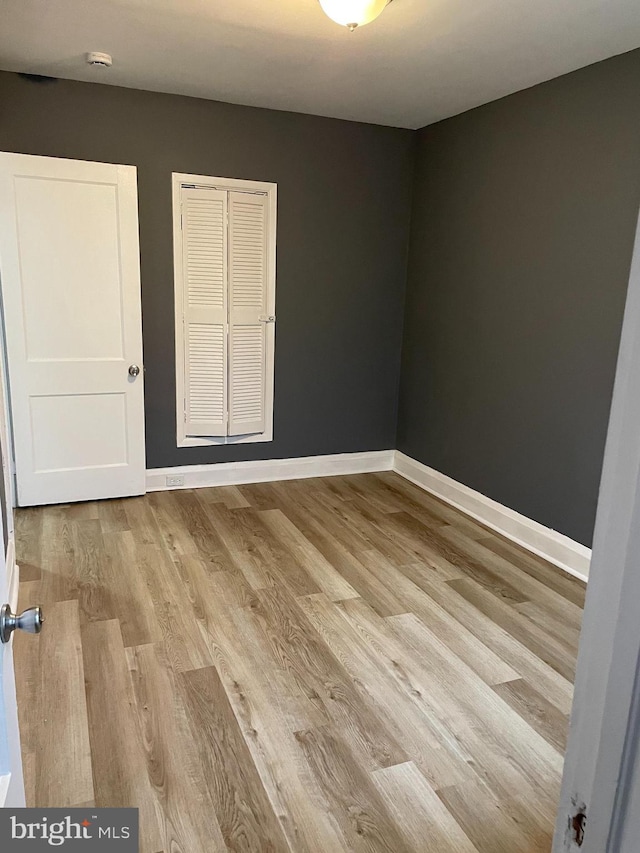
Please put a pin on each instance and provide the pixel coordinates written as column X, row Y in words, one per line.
column 11, row 779
column 600, row 800
column 69, row 264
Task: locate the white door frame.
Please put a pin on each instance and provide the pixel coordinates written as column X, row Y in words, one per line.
column 603, row 755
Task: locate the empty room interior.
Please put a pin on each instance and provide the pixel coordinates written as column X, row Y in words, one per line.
column 311, row 313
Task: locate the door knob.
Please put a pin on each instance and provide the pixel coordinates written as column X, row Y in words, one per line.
column 134, row 370
column 29, row 620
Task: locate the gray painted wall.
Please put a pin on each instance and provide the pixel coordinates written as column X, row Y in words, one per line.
column 521, row 236
column 522, row 230
column 343, row 220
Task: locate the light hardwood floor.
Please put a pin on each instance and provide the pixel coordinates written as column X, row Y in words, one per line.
column 313, row 666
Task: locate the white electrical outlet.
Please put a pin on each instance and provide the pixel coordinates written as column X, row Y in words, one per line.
column 176, row 480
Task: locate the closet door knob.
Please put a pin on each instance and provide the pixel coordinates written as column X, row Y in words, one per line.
column 134, row 370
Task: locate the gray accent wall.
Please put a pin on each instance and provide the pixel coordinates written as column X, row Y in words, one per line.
column 343, row 222
column 523, row 219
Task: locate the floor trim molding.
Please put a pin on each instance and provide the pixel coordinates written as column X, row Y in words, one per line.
column 268, row 470
column 556, row 548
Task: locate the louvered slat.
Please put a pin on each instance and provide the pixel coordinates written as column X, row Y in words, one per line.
column 205, row 392
column 247, row 376
column 248, row 257
column 247, row 304
column 204, row 227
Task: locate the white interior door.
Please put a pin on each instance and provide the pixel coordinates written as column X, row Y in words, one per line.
column 69, row 263
column 601, row 784
column 11, row 779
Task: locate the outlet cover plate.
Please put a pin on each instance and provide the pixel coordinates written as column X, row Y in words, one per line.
column 175, row 480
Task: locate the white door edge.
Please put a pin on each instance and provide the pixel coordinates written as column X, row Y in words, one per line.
column 603, row 753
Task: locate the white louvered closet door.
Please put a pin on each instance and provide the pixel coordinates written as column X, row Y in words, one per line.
column 204, row 241
column 247, row 308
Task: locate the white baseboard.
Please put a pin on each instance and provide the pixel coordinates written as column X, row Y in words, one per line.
column 554, row 547
column 268, row 470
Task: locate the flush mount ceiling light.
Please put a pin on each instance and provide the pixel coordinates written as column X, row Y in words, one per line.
column 353, row 13
column 99, row 60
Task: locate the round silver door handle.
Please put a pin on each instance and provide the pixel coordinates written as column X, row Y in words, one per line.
column 134, row 370
column 29, row 620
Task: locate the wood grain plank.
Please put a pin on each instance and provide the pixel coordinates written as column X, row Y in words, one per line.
column 113, row 516
column 180, row 631
column 539, row 641
column 412, row 726
column 29, row 524
column 498, row 743
column 198, row 530
column 443, row 548
column 58, row 561
column 567, row 586
column 467, row 647
column 260, row 496
column 566, row 634
column 268, row 708
column 130, row 590
column 530, row 588
column 243, row 811
column 350, row 567
column 553, row 685
column 230, row 496
column 541, row 715
column 299, row 648
column 242, row 554
column 172, row 756
column 430, row 509
column 28, row 682
column 302, row 497
column 356, row 805
column 280, row 567
column 320, row 570
column 494, row 825
column 161, row 525
column 423, row 820
column 119, row 765
column 369, row 520
column 58, row 712
column 272, row 666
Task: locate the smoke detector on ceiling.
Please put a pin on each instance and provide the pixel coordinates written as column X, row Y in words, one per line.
column 99, row 60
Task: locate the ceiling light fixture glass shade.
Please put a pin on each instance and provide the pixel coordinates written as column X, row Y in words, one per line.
column 353, row 13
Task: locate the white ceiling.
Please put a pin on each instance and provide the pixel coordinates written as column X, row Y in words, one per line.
column 421, row 61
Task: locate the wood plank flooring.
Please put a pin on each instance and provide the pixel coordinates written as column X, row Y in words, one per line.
column 309, row 666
